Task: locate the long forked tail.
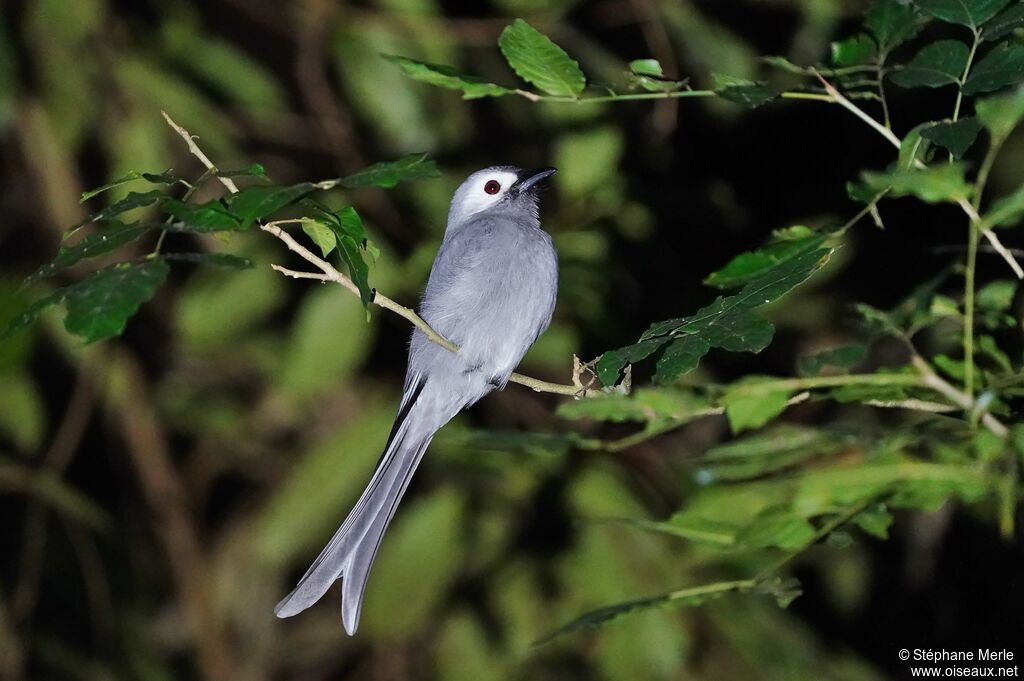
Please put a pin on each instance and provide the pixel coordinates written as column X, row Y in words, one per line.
column 351, row 551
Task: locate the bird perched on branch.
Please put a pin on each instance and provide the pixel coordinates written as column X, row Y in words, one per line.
column 491, row 291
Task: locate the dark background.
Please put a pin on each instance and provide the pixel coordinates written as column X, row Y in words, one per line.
column 161, row 491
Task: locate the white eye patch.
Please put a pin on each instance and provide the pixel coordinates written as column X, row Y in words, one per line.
column 486, row 189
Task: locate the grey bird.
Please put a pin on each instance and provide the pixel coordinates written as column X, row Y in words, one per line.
column 491, row 291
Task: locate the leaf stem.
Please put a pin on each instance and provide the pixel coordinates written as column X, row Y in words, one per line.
column 963, row 78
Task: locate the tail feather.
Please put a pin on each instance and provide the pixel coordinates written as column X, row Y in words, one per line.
column 352, row 549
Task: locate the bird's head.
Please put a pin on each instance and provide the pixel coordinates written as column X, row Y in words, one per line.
column 497, row 188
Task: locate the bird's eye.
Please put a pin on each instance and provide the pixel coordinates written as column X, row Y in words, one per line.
column 492, row 187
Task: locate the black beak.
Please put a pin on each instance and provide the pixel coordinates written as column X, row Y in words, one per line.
column 528, row 179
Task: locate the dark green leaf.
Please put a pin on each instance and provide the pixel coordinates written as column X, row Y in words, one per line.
column 1004, row 23
column 387, row 174
column 893, row 22
column 133, row 200
column 26, row 317
column 205, row 217
column 854, row 51
column 843, row 358
column 100, row 305
column 538, row 61
column 259, row 202
column 132, row 176
column 111, row 238
column 681, row 598
column 352, row 251
column 747, row 266
column 938, row 64
column 252, row 170
column 447, row 77
column 680, row 357
column 1003, row 66
column 956, row 137
column 720, row 322
column 212, row 259
column 934, row 184
column 972, row 13
column 741, row 91
column 612, row 362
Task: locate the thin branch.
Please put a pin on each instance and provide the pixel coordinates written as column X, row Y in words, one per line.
column 961, row 399
column 198, row 153
column 332, row 274
column 838, row 97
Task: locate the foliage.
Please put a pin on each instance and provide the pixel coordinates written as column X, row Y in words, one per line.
column 250, row 407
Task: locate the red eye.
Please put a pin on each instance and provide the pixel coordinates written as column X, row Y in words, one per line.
column 492, row 187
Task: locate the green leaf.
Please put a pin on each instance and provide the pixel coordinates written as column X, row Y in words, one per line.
column 205, row 217
column 447, row 77
column 908, row 483
column 681, row 598
column 956, row 137
column 351, row 251
column 722, row 323
column 777, row 527
column 1003, row 66
column 893, row 22
column 649, row 75
column 747, row 409
column 322, row 235
column 1001, row 113
column 388, row 174
column 226, row 260
column 132, row 200
column 132, row 176
column 935, row 184
column 540, row 62
column 842, row 358
column 26, row 317
column 100, row 305
column 747, row 266
column 90, row 246
column 259, row 202
column 938, row 64
column 612, row 362
column 748, row 93
column 854, row 51
column 643, row 404
column 1005, row 212
column 1004, row 23
column 767, row 451
column 681, row 356
column 252, row 170
column 971, row 13
column 875, row 521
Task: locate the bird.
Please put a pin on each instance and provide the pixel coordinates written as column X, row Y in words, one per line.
column 491, row 292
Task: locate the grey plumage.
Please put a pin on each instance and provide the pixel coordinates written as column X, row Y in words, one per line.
column 491, row 291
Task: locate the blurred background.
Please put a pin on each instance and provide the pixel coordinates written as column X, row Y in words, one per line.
column 160, row 492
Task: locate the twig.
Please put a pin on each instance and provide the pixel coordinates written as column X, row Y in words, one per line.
column 332, row 274
column 997, row 245
column 961, row 399
column 198, row 153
